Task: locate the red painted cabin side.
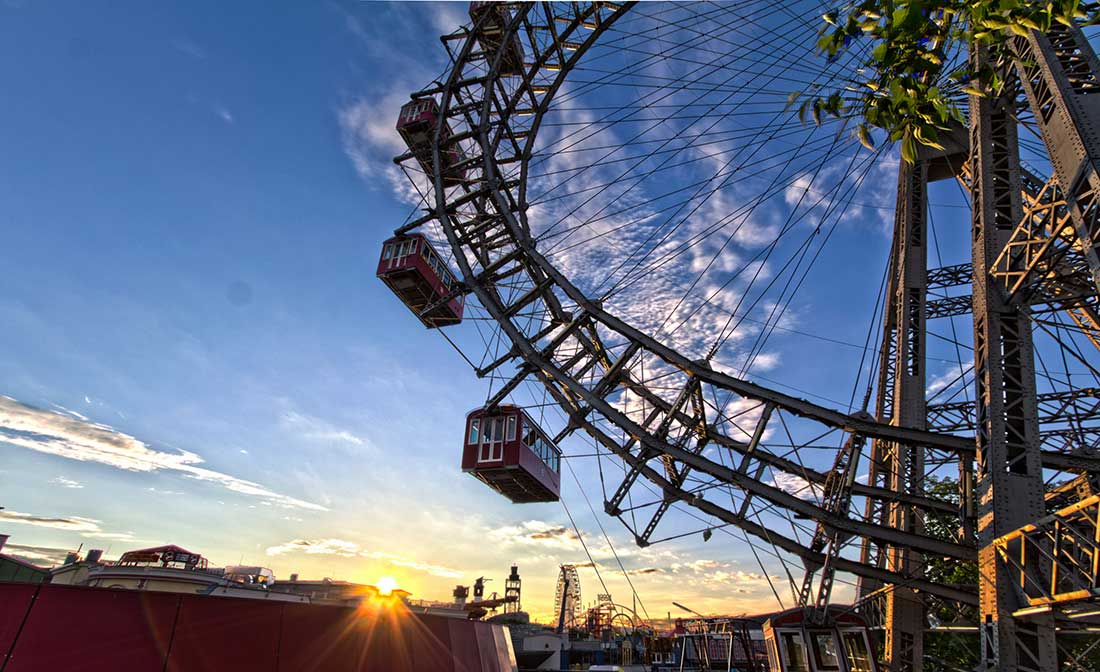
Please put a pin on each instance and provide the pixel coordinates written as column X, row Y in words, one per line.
column 511, row 454
column 416, row 124
column 415, row 272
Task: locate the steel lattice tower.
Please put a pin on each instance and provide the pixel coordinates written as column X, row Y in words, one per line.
column 1034, row 249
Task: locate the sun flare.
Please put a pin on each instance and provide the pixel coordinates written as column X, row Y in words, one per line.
column 386, row 585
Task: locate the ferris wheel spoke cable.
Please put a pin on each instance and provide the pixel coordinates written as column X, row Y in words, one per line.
column 634, row 107
column 638, row 162
column 693, row 141
column 754, row 261
column 780, row 308
column 951, row 321
column 742, row 213
column 641, row 65
column 800, row 253
column 739, row 213
column 718, row 120
column 874, row 326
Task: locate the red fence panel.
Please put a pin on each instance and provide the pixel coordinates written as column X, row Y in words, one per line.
column 431, row 643
column 225, row 633
column 79, row 629
column 91, row 629
column 466, row 652
column 15, row 600
column 320, row 639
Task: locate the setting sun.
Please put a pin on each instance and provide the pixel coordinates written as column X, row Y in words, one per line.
column 386, row 585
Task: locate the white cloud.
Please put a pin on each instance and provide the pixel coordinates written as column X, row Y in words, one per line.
column 951, row 378
column 75, row 439
column 796, row 485
column 66, row 483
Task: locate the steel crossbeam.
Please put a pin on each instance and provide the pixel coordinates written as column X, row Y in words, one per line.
column 1055, row 560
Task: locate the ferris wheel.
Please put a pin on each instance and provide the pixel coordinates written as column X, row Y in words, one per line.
column 631, row 208
column 567, row 597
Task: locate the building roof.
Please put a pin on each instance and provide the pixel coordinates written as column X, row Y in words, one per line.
column 23, row 563
column 161, row 549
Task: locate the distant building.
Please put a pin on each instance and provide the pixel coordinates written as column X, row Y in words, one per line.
column 170, row 569
column 16, row 570
column 329, row 591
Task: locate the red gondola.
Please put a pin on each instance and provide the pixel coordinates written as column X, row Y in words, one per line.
column 511, row 454
column 490, row 35
column 417, row 124
column 841, row 642
column 415, row 272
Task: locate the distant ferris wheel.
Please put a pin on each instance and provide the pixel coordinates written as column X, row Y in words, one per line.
column 567, row 597
column 579, row 163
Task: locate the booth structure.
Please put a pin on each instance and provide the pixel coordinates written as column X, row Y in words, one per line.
column 804, row 640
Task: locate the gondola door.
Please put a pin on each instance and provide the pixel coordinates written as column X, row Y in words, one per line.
column 491, row 448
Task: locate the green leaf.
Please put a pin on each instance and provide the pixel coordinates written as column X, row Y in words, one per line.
column 908, row 148
column 864, row 136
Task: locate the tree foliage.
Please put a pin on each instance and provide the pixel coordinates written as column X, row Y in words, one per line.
column 910, row 83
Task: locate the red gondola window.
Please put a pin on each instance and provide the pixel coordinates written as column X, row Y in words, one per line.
column 856, row 651
column 825, row 653
column 492, row 440
column 475, row 425
column 541, row 447
column 794, row 650
column 437, row 265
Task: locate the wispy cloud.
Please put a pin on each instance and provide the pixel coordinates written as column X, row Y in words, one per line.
column 340, row 547
column 349, row 549
column 224, row 114
column 317, row 429
column 86, row 527
column 39, row 555
column 67, row 523
column 538, row 533
column 75, row 439
column 188, row 47
column 66, row 483
column 418, row 565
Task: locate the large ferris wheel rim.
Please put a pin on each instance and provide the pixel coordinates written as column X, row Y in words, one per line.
column 548, row 372
column 853, row 423
column 494, row 187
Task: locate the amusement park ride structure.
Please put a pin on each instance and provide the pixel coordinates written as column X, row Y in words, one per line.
column 472, row 135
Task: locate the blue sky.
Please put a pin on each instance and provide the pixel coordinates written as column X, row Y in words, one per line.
column 195, row 350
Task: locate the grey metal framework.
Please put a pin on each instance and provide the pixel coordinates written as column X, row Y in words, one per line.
column 1034, row 251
